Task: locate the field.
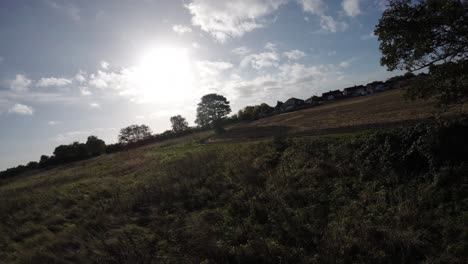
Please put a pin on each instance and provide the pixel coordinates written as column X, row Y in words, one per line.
column 398, row 196
column 345, row 191
column 381, row 110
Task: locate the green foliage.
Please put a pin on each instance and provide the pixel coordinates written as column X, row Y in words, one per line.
column 179, row 123
column 255, row 112
column 212, row 109
column 394, row 196
column 417, row 34
column 95, row 146
column 134, row 133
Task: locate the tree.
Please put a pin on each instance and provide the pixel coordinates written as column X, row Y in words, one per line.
column 211, row 110
column 134, row 133
column 95, row 146
column 428, row 34
column 179, row 123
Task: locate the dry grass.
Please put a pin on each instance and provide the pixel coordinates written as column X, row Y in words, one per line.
column 349, row 115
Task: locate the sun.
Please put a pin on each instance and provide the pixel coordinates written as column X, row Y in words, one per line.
column 164, row 74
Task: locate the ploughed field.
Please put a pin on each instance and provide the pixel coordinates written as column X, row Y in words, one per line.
column 391, row 196
column 380, row 110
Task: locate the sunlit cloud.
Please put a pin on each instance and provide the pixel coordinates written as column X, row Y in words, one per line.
column 241, row 51
column 105, row 65
column 21, row 109
column 53, row 123
column 316, row 7
column 94, row 106
column 21, row 83
column 351, row 7
column 294, row 54
column 227, row 19
column 181, row 29
column 328, row 23
column 52, row 81
column 65, row 8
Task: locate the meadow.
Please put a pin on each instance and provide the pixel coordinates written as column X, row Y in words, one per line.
column 388, row 196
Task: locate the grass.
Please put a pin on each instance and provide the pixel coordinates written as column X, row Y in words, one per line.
column 382, row 110
column 370, row 197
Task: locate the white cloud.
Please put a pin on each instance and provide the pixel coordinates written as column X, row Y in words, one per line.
column 21, row 109
column 80, row 77
column 195, row 45
column 229, row 19
column 21, row 83
column 241, row 51
column 351, row 7
column 270, row 46
column 345, row 64
column 85, row 91
column 316, row 7
column 294, row 54
column 52, row 81
column 330, row 24
column 181, row 29
column 105, row 65
column 369, row 36
column 94, row 105
column 53, row 123
column 71, row 11
column 261, row 60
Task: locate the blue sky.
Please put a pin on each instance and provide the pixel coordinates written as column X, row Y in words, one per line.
column 69, row 69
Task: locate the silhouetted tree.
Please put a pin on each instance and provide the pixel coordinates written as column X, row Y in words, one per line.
column 72, row 152
column 44, row 161
column 211, row 110
column 134, row 133
column 430, row 34
column 179, row 123
column 95, row 146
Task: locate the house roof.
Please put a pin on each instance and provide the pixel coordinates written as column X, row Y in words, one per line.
column 294, row 101
column 336, row 92
column 349, row 89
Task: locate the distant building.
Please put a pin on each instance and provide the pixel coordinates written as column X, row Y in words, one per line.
column 314, row 100
column 332, row 95
column 374, row 87
column 279, row 107
column 355, row 91
column 292, row 104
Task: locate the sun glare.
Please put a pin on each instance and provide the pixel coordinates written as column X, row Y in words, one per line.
column 164, row 74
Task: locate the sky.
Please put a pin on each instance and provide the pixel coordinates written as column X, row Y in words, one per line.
column 70, row 69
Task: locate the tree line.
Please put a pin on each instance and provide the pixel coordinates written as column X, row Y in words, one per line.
column 212, row 113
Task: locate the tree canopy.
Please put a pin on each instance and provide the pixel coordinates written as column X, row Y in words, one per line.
column 134, row 133
column 179, row 123
column 212, row 109
column 433, row 34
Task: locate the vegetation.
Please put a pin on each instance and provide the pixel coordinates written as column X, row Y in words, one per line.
column 255, row 112
column 394, row 196
column 211, row 111
column 179, row 123
column 431, row 34
column 134, row 133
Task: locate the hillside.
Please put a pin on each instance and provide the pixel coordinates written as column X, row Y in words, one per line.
column 386, row 109
column 396, row 196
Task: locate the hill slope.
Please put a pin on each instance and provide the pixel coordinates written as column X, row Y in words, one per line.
column 388, row 197
column 386, row 109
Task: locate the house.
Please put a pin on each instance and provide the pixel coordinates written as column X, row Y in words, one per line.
column 314, row 100
column 332, row 95
column 354, row 91
column 292, row 104
column 278, row 108
column 374, row 87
